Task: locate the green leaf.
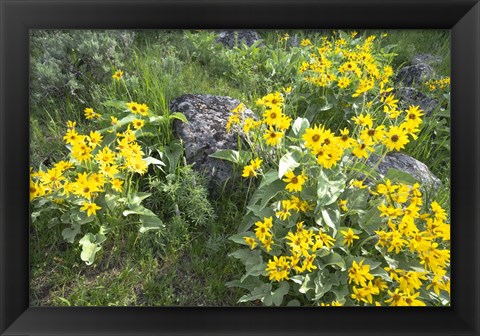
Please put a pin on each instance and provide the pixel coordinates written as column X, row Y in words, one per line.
column 236, row 157
column 286, row 164
column 89, row 248
column 268, row 178
column 335, row 259
column 331, row 217
column 150, row 223
column 173, row 153
column 137, row 198
column 69, row 234
column 179, row 116
column 371, row 220
column 239, row 238
column 323, row 284
column 396, row 175
column 245, row 254
column 111, row 200
column 340, row 292
column 254, row 267
column 80, row 217
column 277, row 296
column 300, row 125
column 139, row 210
column 126, row 120
column 249, row 283
column 293, row 303
column 258, row 293
column 116, row 104
column 266, row 194
column 307, row 285
column 328, row 190
column 151, row 160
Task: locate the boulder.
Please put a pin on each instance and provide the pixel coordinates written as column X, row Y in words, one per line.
column 231, row 37
column 205, row 133
column 406, row 164
column 410, row 96
column 414, row 74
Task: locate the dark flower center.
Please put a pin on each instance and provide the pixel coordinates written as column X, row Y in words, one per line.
column 394, row 138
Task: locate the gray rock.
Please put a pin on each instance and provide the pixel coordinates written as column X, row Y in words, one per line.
column 205, row 133
column 426, row 59
column 230, row 37
column 406, row 164
column 414, row 74
column 410, row 96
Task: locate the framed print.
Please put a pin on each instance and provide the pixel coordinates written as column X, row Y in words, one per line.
column 229, row 167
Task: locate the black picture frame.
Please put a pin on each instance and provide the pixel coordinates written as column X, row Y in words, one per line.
column 17, row 17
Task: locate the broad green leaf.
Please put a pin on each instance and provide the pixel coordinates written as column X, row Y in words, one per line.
column 254, row 269
column 139, row 210
column 80, row 217
column 328, row 190
column 126, row 120
column 277, row 296
column 335, row 259
column 245, row 254
column 150, row 223
column 237, row 157
column 357, row 199
column 307, row 285
column 300, row 125
column 396, row 175
column 331, row 217
column 268, row 178
column 298, row 279
column 151, row 160
column 287, row 163
column 239, row 238
column 293, row 303
column 322, row 284
column 173, row 153
column 258, row 293
column 371, row 220
column 69, row 234
column 248, row 283
column 116, row 104
column 178, row 115
column 267, row 193
column 137, row 198
column 89, row 248
column 340, row 292
column 111, row 200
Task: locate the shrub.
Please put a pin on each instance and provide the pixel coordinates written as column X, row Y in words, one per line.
column 68, row 62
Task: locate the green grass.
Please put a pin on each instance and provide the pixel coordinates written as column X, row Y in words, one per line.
column 187, row 263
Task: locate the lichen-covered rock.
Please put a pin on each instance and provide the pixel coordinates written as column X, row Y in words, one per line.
column 414, row 74
column 409, row 96
column 205, row 133
column 230, row 37
column 406, row 164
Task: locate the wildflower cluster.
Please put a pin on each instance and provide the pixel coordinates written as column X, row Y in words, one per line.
column 438, row 84
column 315, row 229
column 348, row 64
column 95, row 182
